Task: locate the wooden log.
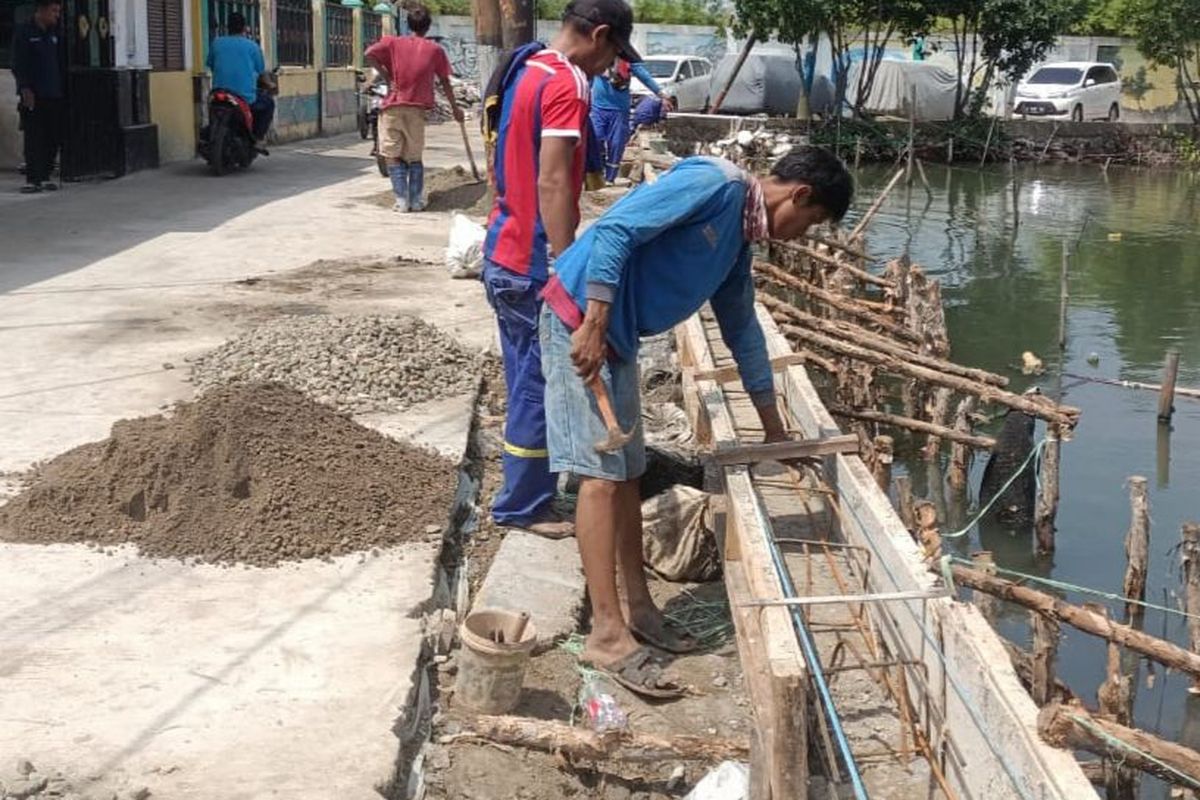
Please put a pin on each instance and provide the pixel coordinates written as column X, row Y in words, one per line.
column 837, row 245
column 928, row 535
column 987, row 145
column 960, row 454
column 1137, row 547
column 733, row 455
column 918, row 425
column 1189, row 555
column 834, row 327
column 1074, row 727
column 1164, row 652
column 1022, row 662
column 937, row 415
column 1115, row 697
column 1051, row 412
column 1045, row 653
column 869, row 310
column 884, row 455
column 580, row 744
column 1046, row 508
column 1166, row 406
column 875, row 206
column 737, row 67
column 834, row 261
column 904, row 502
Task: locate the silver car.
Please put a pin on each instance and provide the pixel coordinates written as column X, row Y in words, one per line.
column 1078, row 89
column 685, row 78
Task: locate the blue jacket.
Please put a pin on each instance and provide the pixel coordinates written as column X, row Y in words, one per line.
column 664, row 250
column 236, row 62
column 610, row 98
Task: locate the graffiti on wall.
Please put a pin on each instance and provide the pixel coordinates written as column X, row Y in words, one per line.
column 464, row 56
column 704, row 43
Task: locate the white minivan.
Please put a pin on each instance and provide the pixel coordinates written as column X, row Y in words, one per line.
column 684, row 78
column 1076, row 89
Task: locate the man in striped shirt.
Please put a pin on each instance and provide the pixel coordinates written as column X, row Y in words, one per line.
column 538, row 170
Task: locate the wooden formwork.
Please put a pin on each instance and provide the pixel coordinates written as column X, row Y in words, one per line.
column 971, row 708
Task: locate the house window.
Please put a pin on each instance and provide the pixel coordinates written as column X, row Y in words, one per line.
column 372, row 29
column 294, row 32
column 218, row 17
column 339, row 35
column 164, row 18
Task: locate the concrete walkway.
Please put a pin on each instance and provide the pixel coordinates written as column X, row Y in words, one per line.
column 198, row 681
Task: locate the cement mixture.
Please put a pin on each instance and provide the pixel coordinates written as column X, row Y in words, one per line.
column 356, row 364
column 253, row 473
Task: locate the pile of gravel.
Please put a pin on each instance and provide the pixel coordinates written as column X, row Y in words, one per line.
column 356, row 364
column 251, row 473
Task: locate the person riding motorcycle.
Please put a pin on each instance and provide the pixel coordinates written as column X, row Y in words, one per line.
column 237, row 66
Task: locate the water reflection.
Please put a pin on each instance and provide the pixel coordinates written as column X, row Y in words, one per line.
column 994, row 238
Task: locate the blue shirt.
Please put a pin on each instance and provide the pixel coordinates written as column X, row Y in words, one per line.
column 35, row 61
column 236, row 62
column 660, row 253
column 610, row 98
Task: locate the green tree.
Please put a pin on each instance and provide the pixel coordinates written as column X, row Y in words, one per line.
column 880, row 21
column 791, row 22
column 1108, row 18
column 1168, row 33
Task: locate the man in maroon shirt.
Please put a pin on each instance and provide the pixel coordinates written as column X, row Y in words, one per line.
column 409, row 65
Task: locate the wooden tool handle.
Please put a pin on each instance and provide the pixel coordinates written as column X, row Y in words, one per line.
column 462, row 126
column 606, row 409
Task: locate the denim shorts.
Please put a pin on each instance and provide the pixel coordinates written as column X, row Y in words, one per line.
column 573, row 421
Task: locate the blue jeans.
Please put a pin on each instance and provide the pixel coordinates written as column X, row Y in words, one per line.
column 612, row 129
column 263, row 109
column 529, row 484
column 573, row 421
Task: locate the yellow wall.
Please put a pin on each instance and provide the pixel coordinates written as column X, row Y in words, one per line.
column 172, row 110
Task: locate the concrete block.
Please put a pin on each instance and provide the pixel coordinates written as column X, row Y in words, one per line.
column 538, row 575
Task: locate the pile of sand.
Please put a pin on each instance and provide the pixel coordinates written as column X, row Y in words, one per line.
column 253, row 473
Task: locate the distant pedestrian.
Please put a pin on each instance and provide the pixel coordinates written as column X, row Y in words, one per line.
column 536, row 116
column 37, row 67
column 611, row 102
column 409, row 64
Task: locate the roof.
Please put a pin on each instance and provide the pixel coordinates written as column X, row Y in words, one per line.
column 671, row 57
column 1074, row 64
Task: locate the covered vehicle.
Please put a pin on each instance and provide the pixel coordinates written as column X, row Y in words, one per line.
column 768, row 83
column 891, row 91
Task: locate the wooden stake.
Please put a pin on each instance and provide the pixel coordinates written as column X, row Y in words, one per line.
column 912, row 133
column 950, row 150
column 1137, row 547
column 1022, row 661
column 1046, row 509
column 988, row 605
column 1115, row 696
column 737, row 67
column 1189, row 555
column 918, row 425
column 937, row 415
column 928, row 535
column 1063, row 296
column 924, row 179
column 1074, row 728
column 1160, row 650
column 585, row 745
column 988, row 144
column 884, row 454
column 857, row 152
column 960, row 453
column 1166, row 400
column 904, row 501
column 1045, row 653
column 875, row 206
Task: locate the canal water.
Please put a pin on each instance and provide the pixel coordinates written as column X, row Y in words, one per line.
column 1134, row 276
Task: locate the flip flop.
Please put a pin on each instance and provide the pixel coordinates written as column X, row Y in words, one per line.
column 671, row 640
column 639, row 673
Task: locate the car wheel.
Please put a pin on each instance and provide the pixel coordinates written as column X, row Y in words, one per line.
column 1114, row 113
column 1077, row 114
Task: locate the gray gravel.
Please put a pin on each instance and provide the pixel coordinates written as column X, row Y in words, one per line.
column 356, row 364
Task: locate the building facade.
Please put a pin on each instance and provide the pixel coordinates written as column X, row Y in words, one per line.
column 136, row 82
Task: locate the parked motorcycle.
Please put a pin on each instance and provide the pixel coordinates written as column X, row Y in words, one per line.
column 370, row 102
column 227, row 142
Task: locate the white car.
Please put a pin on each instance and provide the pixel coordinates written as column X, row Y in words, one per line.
column 685, row 78
column 1076, row 89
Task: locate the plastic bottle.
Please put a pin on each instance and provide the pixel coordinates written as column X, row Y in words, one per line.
column 600, row 708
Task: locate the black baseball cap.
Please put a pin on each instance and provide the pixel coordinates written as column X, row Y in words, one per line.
column 616, row 14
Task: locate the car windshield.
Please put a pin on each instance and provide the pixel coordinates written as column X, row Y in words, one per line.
column 659, row 67
column 1059, row 75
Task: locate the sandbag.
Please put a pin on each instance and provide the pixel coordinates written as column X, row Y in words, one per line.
column 678, row 541
column 464, row 251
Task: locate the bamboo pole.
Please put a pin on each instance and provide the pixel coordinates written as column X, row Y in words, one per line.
column 834, row 261
column 1052, row 413
column 1063, row 296
column 737, row 67
column 1073, row 727
column 875, row 206
column 987, row 145
column 1189, row 554
column 1045, row 652
column 1046, row 509
column 852, row 308
column 1149, row 387
column 912, row 133
column 1137, row 547
column 904, row 502
column 960, row 454
column 1166, row 398
column 1164, row 652
column 917, row 425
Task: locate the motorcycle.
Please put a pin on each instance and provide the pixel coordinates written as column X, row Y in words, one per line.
column 370, row 103
column 227, row 142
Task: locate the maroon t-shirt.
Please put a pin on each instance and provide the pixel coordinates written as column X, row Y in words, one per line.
column 412, row 63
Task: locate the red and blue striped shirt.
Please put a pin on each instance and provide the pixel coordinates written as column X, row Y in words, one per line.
column 549, row 98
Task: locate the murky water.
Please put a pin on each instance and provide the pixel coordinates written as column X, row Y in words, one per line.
column 1134, row 292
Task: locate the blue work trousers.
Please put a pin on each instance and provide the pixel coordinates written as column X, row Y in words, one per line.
column 529, row 485
column 612, row 129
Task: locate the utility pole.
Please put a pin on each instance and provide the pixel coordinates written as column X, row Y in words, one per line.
column 517, row 26
column 488, row 40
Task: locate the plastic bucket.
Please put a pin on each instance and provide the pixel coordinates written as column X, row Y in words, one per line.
column 491, row 672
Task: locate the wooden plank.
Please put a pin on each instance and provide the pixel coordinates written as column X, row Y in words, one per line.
column 730, row 373
column 785, row 451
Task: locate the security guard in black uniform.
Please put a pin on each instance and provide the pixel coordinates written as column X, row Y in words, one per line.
column 37, row 67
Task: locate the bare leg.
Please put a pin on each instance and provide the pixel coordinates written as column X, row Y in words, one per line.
column 597, row 522
column 639, row 607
